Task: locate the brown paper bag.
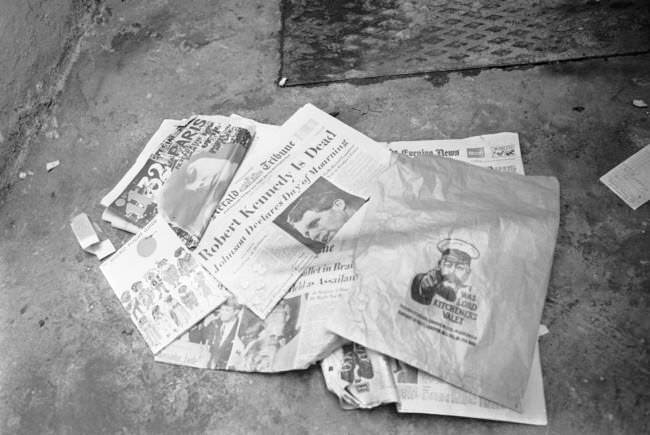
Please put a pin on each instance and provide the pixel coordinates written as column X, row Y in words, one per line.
column 453, row 265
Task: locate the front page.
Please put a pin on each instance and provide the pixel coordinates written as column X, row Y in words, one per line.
column 269, row 228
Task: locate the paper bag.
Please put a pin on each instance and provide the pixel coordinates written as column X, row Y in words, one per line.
column 453, row 265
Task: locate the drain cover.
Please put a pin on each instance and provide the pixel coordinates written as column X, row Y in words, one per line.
column 335, row 40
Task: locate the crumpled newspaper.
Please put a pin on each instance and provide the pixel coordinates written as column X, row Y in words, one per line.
column 360, row 378
column 453, row 266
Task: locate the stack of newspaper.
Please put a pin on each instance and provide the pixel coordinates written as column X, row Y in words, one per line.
column 251, row 252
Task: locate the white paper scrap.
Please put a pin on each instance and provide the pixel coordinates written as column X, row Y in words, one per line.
column 630, row 180
column 51, row 165
column 86, row 234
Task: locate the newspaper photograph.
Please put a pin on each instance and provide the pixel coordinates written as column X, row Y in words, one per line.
column 325, row 282
column 268, row 228
column 182, row 173
column 161, row 285
column 442, row 247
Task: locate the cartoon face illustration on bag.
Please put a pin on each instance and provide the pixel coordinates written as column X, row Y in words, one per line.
column 449, row 276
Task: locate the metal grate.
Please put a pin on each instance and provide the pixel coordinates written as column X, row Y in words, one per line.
column 337, row 40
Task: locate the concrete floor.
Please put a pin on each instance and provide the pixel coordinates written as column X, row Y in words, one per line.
column 71, row 361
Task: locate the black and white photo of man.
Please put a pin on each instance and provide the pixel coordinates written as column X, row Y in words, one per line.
column 449, row 276
column 318, row 214
column 221, row 332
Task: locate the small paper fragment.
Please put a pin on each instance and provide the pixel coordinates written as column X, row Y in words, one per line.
column 639, row 103
column 543, row 330
column 630, row 180
column 102, row 249
column 88, row 239
column 51, row 165
column 84, row 231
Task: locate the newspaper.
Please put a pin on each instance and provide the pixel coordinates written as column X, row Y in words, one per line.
column 499, row 151
column 630, row 180
column 160, row 284
column 305, row 338
column 182, row 173
column 268, row 228
column 299, row 319
column 457, row 259
column 422, row 393
column 359, row 377
column 362, row 378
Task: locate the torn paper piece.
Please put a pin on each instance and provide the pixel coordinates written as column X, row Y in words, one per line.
column 543, row 330
column 102, row 249
column 86, row 234
column 22, row 175
column 630, row 180
column 639, row 103
column 116, row 221
column 51, row 165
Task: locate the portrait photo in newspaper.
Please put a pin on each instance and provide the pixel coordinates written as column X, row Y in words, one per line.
column 318, row 213
column 217, row 331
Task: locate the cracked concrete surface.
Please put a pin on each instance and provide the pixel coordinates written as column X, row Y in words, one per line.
column 71, row 360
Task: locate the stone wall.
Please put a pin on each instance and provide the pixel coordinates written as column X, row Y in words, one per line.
column 37, row 40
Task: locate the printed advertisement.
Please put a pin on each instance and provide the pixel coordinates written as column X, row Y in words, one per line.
column 161, row 285
column 457, row 258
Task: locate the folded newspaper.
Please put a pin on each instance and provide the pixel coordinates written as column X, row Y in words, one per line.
column 362, row 378
column 181, row 174
column 453, row 265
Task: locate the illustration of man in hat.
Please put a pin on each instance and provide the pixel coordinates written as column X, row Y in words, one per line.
column 450, row 274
